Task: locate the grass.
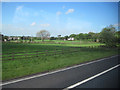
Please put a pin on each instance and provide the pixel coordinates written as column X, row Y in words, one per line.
column 26, row 66
column 18, row 47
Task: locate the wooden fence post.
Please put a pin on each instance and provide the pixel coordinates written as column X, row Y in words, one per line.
column 62, row 51
column 36, row 53
column 55, row 52
column 46, row 51
column 12, row 56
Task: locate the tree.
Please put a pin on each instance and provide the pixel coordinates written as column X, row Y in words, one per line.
column 73, row 35
column 107, row 36
column 117, row 34
column 52, row 38
column 81, row 36
column 43, row 34
column 85, row 36
column 23, row 37
column 1, row 37
column 66, row 37
column 91, row 35
column 95, row 37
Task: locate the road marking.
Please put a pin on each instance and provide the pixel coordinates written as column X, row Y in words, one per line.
column 35, row 76
column 86, row 80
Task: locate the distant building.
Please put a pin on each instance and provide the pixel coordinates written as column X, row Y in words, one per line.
column 13, row 38
column 10, row 38
column 71, row 39
column 5, row 40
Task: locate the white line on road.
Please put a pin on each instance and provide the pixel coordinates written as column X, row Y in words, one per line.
column 35, row 76
column 79, row 83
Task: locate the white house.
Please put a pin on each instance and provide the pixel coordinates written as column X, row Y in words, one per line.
column 14, row 38
column 5, row 40
column 71, row 39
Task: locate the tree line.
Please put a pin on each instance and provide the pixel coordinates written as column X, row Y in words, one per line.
column 109, row 35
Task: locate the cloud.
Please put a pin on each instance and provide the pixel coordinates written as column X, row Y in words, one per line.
column 19, row 8
column 33, row 24
column 44, row 25
column 70, row 11
column 20, row 15
column 58, row 13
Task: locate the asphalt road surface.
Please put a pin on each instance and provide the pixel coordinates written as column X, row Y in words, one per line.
column 72, row 75
column 107, row 80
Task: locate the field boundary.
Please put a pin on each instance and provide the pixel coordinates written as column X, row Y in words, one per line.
column 14, row 56
column 22, row 55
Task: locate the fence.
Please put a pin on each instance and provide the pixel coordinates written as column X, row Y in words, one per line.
column 21, row 55
column 14, row 56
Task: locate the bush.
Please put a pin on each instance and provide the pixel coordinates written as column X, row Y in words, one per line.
column 107, row 36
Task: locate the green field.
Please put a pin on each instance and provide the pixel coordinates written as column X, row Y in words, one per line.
column 46, row 45
column 52, row 56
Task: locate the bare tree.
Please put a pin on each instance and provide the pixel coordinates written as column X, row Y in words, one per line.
column 59, row 37
column 43, row 34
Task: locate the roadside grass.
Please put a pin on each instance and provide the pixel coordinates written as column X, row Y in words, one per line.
column 27, row 66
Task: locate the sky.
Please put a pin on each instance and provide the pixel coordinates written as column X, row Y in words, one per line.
column 59, row 18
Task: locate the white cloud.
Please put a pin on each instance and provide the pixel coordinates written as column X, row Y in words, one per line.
column 44, row 25
column 70, row 11
column 19, row 8
column 33, row 24
column 21, row 14
column 58, row 13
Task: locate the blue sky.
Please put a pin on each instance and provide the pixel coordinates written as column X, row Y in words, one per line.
column 59, row 18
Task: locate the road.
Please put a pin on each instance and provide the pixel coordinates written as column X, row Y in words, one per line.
column 69, row 76
column 107, row 80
